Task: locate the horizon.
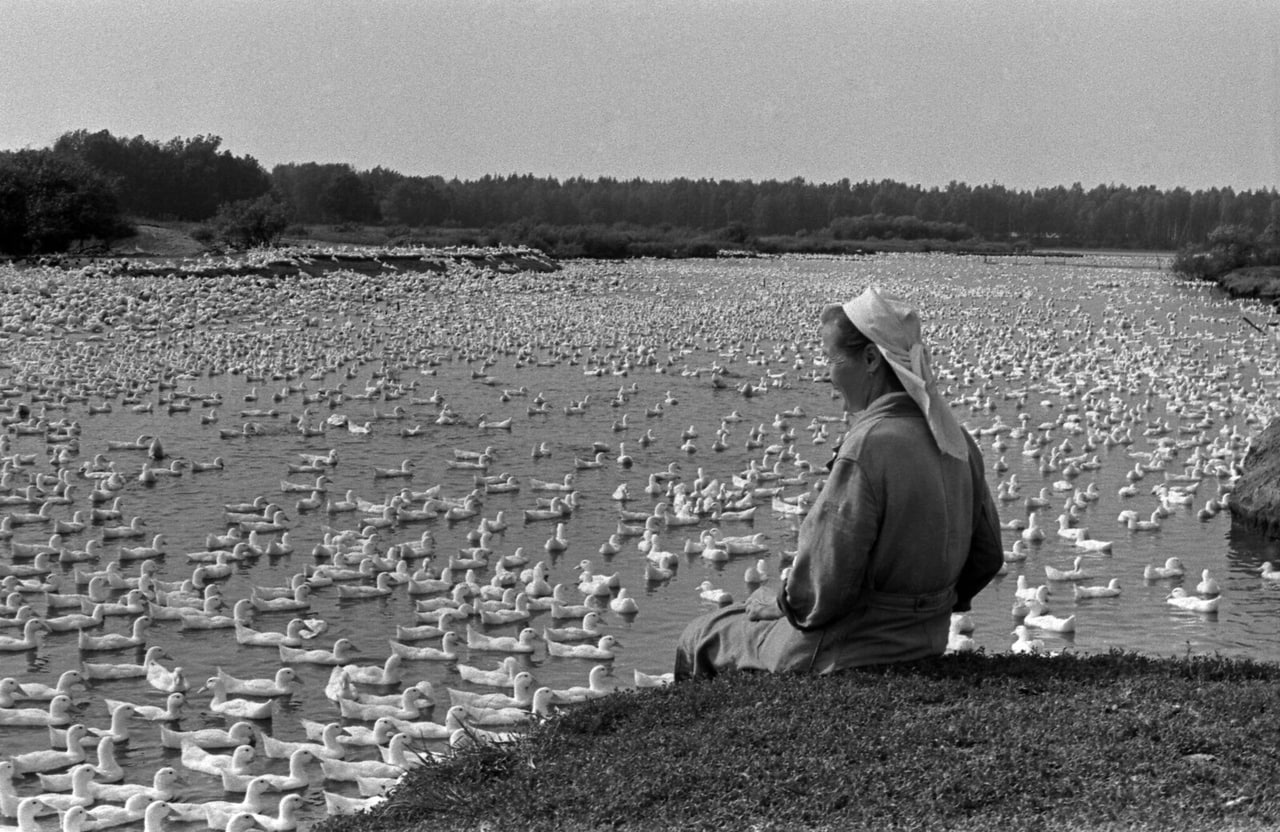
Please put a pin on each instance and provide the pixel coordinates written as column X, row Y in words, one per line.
column 1022, row 95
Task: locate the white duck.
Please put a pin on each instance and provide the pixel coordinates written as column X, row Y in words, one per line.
column 66, row 681
column 603, row 650
column 217, row 813
column 107, row 816
column 500, row 676
column 521, row 695
column 1180, row 598
column 171, row 712
column 447, row 651
column 1172, row 569
column 241, row 733
column 523, row 643
column 33, row 762
column 58, row 713
column 109, row 670
column 1039, row 617
column 164, row 784
column 330, row 747
column 1024, row 643
column 286, row 679
column 1111, row 590
column 594, row 689
column 1076, row 573
column 166, row 680
column 284, row 820
column 709, row 592
column 32, row 636
column 26, row 811
column 196, row 758
column 236, row 708
column 106, row 770
column 957, row 641
column 117, row 641
column 340, row 654
column 388, row 673
column 233, row 781
column 1208, row 586
column 409, row 707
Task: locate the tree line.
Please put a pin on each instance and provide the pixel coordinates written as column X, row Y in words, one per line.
column 1104, row 216
column 196, row 180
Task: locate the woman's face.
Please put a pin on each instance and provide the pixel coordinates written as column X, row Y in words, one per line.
column 849, row 371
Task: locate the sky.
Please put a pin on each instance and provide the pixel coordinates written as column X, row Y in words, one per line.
column 1025, row 93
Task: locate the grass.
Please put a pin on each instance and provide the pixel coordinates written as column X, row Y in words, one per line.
column 1118, row 741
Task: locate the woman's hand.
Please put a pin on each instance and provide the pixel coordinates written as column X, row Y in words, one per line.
column 762, row 605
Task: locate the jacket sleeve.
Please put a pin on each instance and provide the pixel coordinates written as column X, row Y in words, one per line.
column 836, row 540
column 986, row 549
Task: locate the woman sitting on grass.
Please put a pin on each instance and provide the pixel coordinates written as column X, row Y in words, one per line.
column 904, row 533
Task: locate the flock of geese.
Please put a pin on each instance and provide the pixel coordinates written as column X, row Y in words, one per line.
column 464, row 451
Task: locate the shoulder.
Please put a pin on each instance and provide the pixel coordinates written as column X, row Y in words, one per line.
column 887, row 427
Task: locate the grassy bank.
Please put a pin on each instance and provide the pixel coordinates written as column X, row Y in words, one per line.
column 967, row 742
column 1262, row 282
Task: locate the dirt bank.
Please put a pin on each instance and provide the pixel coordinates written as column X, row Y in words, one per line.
column 1256, row 501
column 164, row 251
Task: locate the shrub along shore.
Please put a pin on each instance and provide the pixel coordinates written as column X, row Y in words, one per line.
column 1116, row 741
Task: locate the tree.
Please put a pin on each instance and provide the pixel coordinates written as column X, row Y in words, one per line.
column 346, row 199
column 48, row 203
column 251, row 222
column 182, row 178
column 414, row 202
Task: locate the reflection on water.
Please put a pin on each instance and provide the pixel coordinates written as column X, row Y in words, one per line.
column 1011, row 337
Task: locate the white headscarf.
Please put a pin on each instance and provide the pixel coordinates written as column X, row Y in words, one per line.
column 894, row 327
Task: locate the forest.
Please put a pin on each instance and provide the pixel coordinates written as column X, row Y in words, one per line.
column 196, row 180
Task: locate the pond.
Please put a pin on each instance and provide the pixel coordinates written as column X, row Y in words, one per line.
column 643, row 359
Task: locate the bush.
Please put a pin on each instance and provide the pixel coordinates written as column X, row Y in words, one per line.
column 883, row 227
column 701, row 248
column 1195, row 264
column 204, row 234
column 654, row 248
column 1227, row 248
column 606, row 245
column 251, row 222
